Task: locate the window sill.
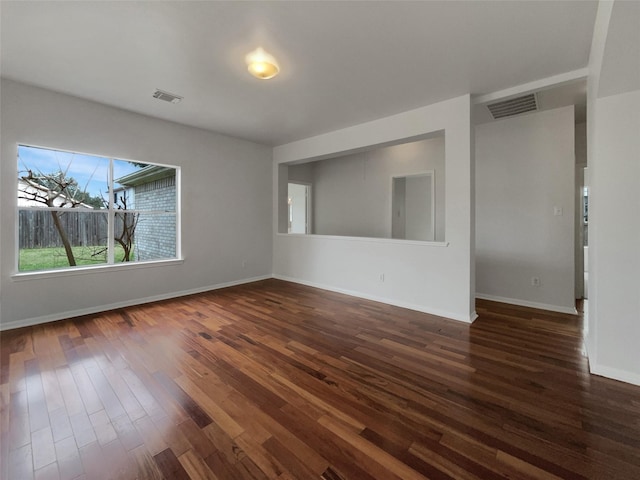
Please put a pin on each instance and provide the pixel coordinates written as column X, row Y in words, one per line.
column 68, row 272
column 366, row 239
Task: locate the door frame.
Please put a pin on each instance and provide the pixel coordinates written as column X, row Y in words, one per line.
column 308, row 207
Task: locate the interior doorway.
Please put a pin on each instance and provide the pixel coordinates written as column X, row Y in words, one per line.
column 299, row 208
column 585, row 240
column 413, row 207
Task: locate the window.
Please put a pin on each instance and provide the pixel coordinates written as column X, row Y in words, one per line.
column 77, row 210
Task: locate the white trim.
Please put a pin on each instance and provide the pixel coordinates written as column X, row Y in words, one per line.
column 537, row 85
column 86, row 154
column 366, row 239
column 308, row 206
column 615, row 374
column 603, row 371
column 28, row 322
column 375, row 298
column 591, row 357
column 426, row 173
column 111, row 219
column 178, row 212
column 526, row 303
column 88, row 269
column 110, row 211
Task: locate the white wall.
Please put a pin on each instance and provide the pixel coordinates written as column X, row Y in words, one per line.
column 226, row 213
column 614, row 233
column 301, row 173
column 613, row 126
column 579, row 247
column 581, row 144
column 581, row 164
column 352, row 194
column 434, row 278
column 524, row 169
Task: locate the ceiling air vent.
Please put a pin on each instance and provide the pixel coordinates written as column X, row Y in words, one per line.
column 514, row 106
column 167, row 97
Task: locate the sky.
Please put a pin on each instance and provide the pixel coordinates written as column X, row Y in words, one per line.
column 91, row 172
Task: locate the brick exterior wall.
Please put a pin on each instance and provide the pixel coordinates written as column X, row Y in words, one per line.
column 155, row 236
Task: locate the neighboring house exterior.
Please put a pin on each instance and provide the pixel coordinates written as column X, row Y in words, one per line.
column 128, row 193
column 151, row 191
column 27, row 192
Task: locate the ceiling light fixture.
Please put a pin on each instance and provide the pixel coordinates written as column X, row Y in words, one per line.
column 262, row 65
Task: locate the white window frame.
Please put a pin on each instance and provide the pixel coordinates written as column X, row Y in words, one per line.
column 111, row 212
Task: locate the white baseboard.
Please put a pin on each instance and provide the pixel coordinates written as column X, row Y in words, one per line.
column 525, row 303
column 388, row 301
column 615, row 374
column 28, row 322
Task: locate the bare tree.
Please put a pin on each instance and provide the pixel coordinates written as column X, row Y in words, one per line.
column 54, row 190
column 57, row 190
column 129, row 221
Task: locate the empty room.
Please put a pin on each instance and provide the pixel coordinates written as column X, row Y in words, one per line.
column 319, row 240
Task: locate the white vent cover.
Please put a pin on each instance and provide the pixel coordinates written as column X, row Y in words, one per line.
column 514, row 106
column 167, row 97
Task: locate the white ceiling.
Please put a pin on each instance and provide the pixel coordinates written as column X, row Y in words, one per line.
column 621, row 66
column 342, row 63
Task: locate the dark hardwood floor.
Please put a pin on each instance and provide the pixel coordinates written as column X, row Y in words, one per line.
column 277, row 380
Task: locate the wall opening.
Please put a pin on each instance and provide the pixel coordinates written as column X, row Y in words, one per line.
column 353, row 194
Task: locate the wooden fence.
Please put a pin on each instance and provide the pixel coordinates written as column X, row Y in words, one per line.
column 37, row 229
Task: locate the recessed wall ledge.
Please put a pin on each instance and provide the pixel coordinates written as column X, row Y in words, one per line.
column 365, row 239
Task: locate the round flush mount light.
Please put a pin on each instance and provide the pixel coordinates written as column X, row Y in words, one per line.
column 262, row 65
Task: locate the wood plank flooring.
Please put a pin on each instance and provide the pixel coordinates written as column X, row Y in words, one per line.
column 273, row 380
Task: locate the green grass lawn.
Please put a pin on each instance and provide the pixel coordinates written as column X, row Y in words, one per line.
column 48, row 258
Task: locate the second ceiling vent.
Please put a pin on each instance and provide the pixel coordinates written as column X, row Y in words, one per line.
column 514, row 106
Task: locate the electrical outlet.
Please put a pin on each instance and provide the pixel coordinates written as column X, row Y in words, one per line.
column 535, row 281
column 244, row 264
column 381, row 277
